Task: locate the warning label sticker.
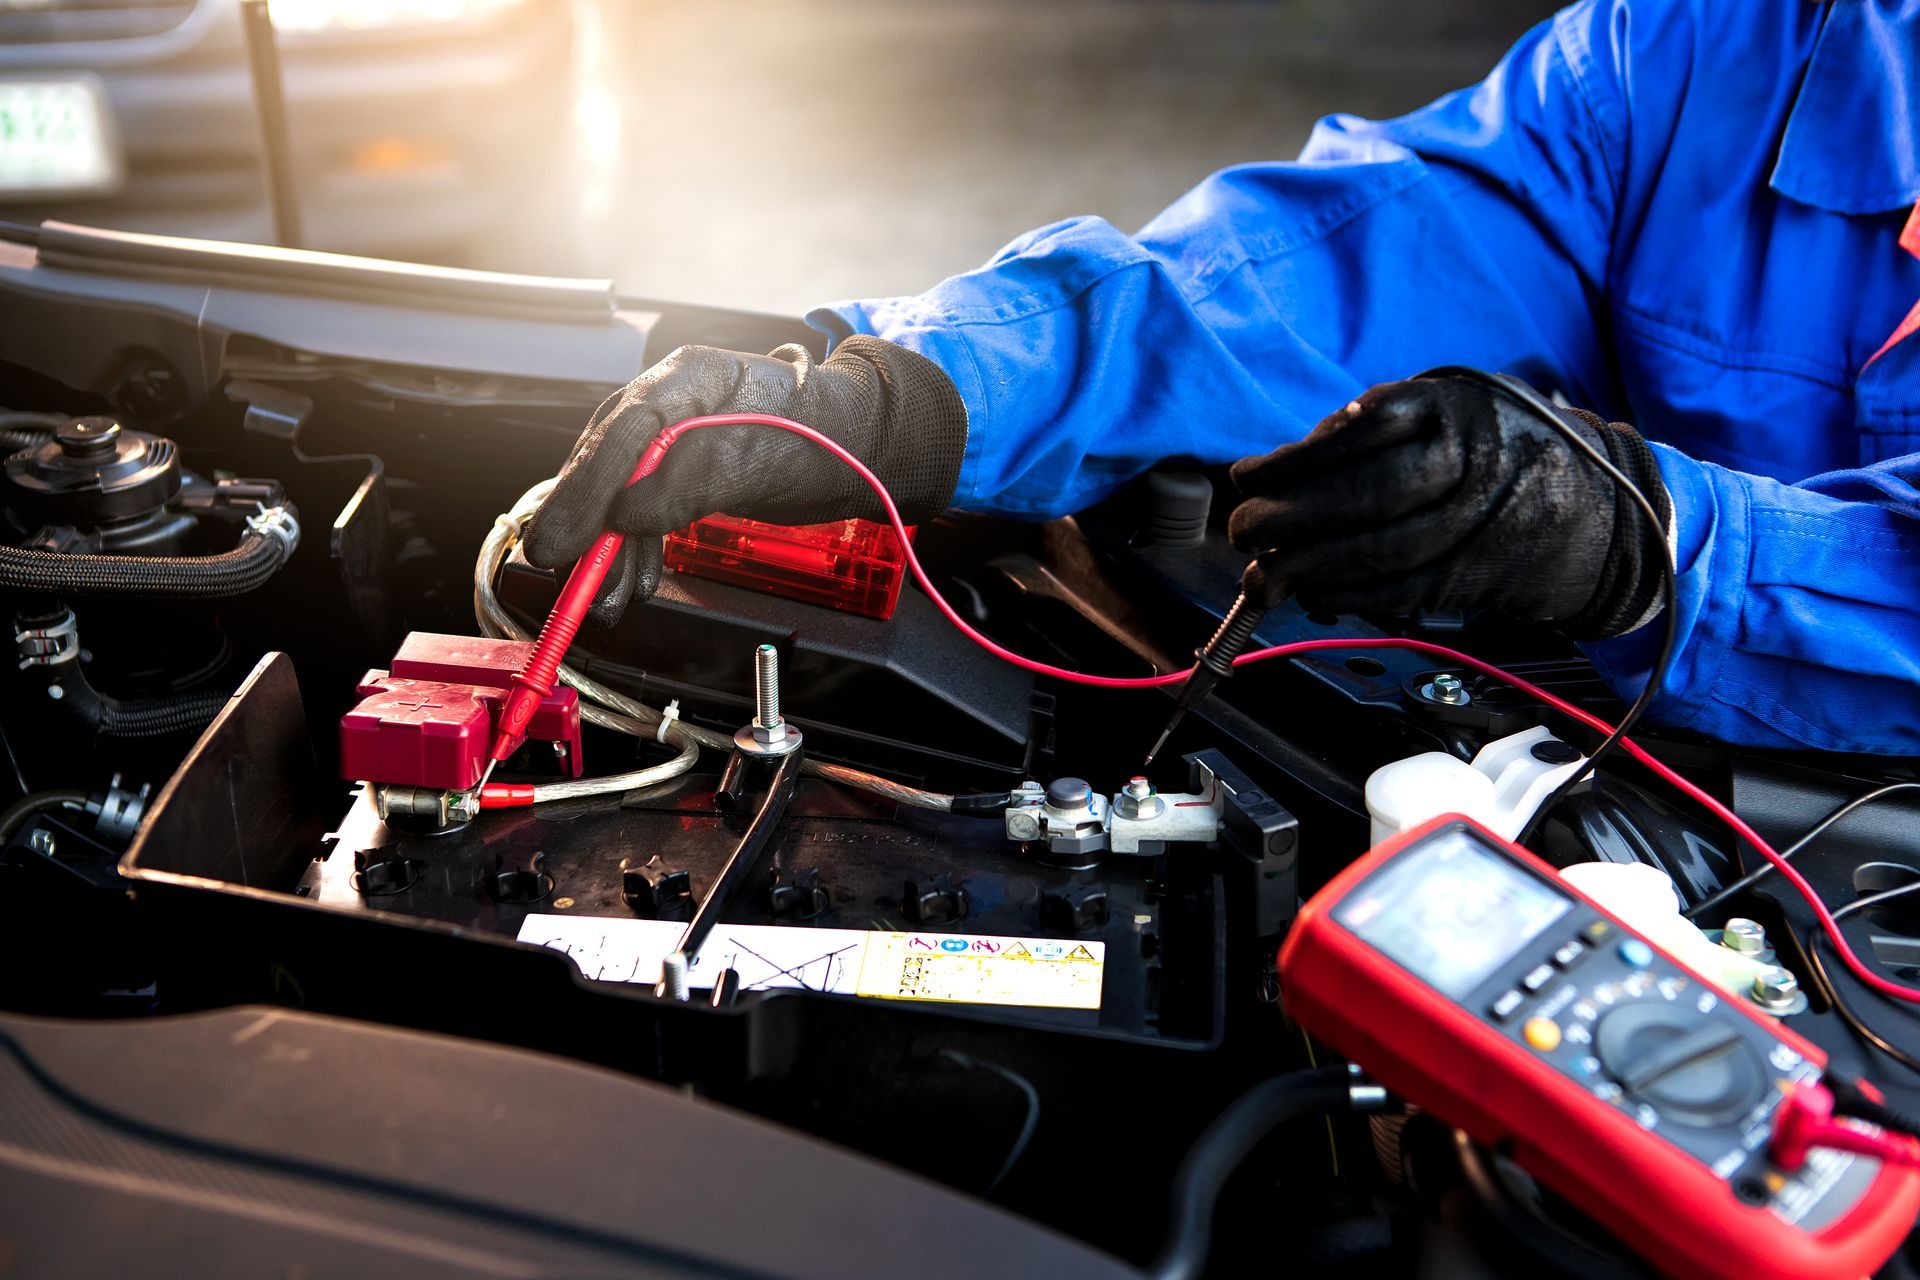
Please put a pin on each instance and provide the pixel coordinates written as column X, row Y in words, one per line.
column 963, row 969
column 1034, row 972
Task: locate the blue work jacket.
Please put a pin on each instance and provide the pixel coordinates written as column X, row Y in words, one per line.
column 1685, row 214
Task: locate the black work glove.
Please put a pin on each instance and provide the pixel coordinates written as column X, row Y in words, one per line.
column 892, row 408
column 1441, row 493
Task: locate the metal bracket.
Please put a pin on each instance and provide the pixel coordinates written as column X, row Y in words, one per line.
column 47, row 646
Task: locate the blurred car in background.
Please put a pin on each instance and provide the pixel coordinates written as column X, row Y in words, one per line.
column 431, row 129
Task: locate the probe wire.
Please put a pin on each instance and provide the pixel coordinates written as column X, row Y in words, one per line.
column 657, row 449
column 1723, row 896
column 1549, row 416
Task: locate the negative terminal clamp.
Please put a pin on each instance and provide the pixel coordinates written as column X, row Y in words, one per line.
column 1067, row 815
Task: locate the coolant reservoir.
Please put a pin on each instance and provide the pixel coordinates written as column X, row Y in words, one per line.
column 1506, row 782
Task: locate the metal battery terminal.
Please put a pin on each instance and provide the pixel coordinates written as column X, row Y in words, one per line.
column 1144, row 820
column 426, row 805
column 1067, row 814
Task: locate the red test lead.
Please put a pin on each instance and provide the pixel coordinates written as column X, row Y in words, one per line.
column 1806, row 1120
column 535, row 680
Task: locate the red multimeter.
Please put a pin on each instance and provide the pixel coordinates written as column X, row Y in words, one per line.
column 1466, row 976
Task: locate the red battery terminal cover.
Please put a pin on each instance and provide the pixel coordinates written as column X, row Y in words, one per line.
column 428, row 721
column 852, row 565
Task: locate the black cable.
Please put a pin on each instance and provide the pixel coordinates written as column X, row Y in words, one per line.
column 1542, row 408
column 1024, row 1138
column 985, row 804
column 228, row 573
column 13, row 762
column 1847, row 1014
column 1218, row 1152
column 1875, row 899
column 1850, row 1098
column 1759, row 873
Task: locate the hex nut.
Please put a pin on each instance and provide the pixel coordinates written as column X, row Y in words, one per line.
column 1775, row 987
column 1744, row 936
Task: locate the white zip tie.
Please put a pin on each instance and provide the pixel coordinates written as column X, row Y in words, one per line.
column 667, row 718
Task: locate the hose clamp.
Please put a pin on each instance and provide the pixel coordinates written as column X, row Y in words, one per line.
column 277, row 522
column 47, row 646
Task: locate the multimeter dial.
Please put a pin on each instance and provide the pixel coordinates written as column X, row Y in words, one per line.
column 1695, row 1070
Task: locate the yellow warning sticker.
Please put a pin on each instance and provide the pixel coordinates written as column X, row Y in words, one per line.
column 1036, row 972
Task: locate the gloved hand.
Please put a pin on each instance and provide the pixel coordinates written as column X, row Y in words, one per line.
column 1441, row 493
column 892, row 408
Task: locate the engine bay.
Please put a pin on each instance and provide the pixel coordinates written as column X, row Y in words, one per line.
column 782, row 841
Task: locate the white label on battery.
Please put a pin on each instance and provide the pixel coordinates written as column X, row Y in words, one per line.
column 1044, row 973
column 960, row 968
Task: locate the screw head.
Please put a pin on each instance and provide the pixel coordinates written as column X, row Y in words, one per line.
column 56, row 692
column 1447, row 688
column 1745, row 936
column 1139, row 788
column 1774, row 987
column 41, row 842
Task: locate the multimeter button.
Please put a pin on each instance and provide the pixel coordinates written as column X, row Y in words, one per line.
column 1542, row 1033
column 1696, row 1070
column 1636, row 953
column 1569, row 954
column 1503, row 1007
column 1597, row 932
column 1537, row 978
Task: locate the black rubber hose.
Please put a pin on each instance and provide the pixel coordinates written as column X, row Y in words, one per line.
column 23, row 430
column 158, row 717
column 228, row 573
column 1226, row 1143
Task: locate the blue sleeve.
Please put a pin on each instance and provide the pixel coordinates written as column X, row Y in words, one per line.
column 1797, row 616
column 1473, row 231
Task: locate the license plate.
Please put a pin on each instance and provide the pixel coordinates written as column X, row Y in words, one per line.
column 56, row 139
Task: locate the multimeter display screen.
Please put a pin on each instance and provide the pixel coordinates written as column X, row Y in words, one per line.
column 1450, row 911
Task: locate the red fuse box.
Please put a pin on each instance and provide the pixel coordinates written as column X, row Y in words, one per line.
column 429, row 721
column 855, row 565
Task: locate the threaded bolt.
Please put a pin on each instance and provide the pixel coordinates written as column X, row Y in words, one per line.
column 768, row 735
column 673, row 975
column 766, row 689
column 1447, row 688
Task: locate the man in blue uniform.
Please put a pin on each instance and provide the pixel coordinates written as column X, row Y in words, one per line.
column 1696, row 216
